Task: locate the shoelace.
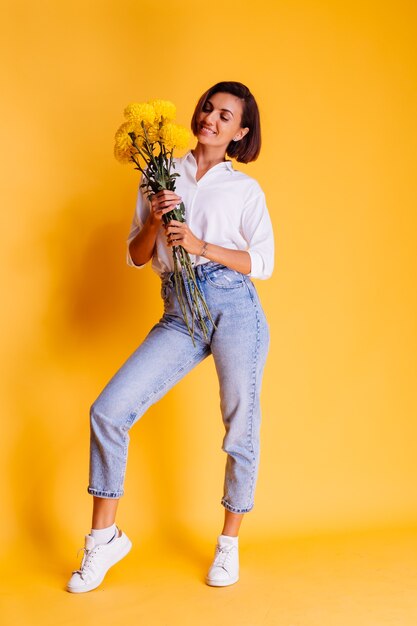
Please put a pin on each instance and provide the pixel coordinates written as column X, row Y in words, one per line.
column 87, row 559
column 222, row 556
column 89, row 555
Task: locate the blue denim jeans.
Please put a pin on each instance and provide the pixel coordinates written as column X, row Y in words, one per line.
column 239, row 346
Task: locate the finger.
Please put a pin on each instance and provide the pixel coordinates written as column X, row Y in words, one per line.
column 174, row 236
column 168, row 194
column 166, row 191
column 163, row 200
column 167, row 204
column 164, row 210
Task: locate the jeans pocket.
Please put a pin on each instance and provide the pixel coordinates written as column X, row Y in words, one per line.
column 225, row 278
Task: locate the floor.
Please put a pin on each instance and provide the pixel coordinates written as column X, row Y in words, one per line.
column 353, row 579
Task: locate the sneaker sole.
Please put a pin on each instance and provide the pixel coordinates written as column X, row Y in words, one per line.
column 221, row 583
column 96, row 583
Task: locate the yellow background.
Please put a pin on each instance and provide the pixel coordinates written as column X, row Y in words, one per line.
column 336, row 87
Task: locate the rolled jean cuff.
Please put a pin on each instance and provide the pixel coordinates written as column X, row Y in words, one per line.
column 104, row 494
column 234, row 509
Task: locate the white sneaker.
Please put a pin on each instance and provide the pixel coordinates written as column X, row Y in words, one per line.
column 224, row 569
column 97, row 560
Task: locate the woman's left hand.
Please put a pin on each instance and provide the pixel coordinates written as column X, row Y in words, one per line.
column 179, row 234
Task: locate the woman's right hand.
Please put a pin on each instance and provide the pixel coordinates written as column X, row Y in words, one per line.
column 162, row 202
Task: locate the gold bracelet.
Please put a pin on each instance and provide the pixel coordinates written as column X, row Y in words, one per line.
column 203, row 249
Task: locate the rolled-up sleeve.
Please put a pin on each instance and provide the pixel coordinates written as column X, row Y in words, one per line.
column 258, row 231
column 140, row 215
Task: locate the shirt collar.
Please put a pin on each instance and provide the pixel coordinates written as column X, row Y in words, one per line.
column 188, row 156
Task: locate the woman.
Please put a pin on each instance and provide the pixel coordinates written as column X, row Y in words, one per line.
column 228, row 234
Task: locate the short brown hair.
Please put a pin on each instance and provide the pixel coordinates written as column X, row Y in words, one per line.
column 246, row 149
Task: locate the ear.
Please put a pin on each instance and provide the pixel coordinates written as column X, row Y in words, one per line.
column 244, row 132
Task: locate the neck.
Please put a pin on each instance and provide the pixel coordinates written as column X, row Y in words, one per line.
column 207, row 156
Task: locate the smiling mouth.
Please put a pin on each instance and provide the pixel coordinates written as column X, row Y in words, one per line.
column 207, row 130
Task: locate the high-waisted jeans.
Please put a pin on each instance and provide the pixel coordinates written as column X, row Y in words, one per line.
column 239, row 346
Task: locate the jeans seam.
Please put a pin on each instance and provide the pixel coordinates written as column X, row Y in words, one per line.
column 225, row 287
column 235, row 509
column 249, row 288
column 107, row 494
column 253, row 394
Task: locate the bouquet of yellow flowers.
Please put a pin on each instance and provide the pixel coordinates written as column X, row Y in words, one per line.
column 150, row 135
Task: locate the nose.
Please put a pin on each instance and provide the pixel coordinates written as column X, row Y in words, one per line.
column 208, row 120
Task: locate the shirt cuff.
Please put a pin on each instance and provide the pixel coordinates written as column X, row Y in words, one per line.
column 258, row 269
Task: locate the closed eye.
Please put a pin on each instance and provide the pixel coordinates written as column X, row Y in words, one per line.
column 225, row 119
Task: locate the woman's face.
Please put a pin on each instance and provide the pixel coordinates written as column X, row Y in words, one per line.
column 219, row 120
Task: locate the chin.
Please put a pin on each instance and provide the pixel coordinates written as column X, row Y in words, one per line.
column 205, row 139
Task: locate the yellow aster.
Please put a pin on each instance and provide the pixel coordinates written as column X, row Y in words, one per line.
column 182, row 137
column 165, row 110
column 153, row 134
column 122, row 156
column 174, row 136
column 140, row 111
column 123, row 147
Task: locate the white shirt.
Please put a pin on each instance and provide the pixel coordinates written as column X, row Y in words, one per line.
column 224, row 207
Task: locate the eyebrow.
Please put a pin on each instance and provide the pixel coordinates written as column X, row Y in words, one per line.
column 210, row 102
